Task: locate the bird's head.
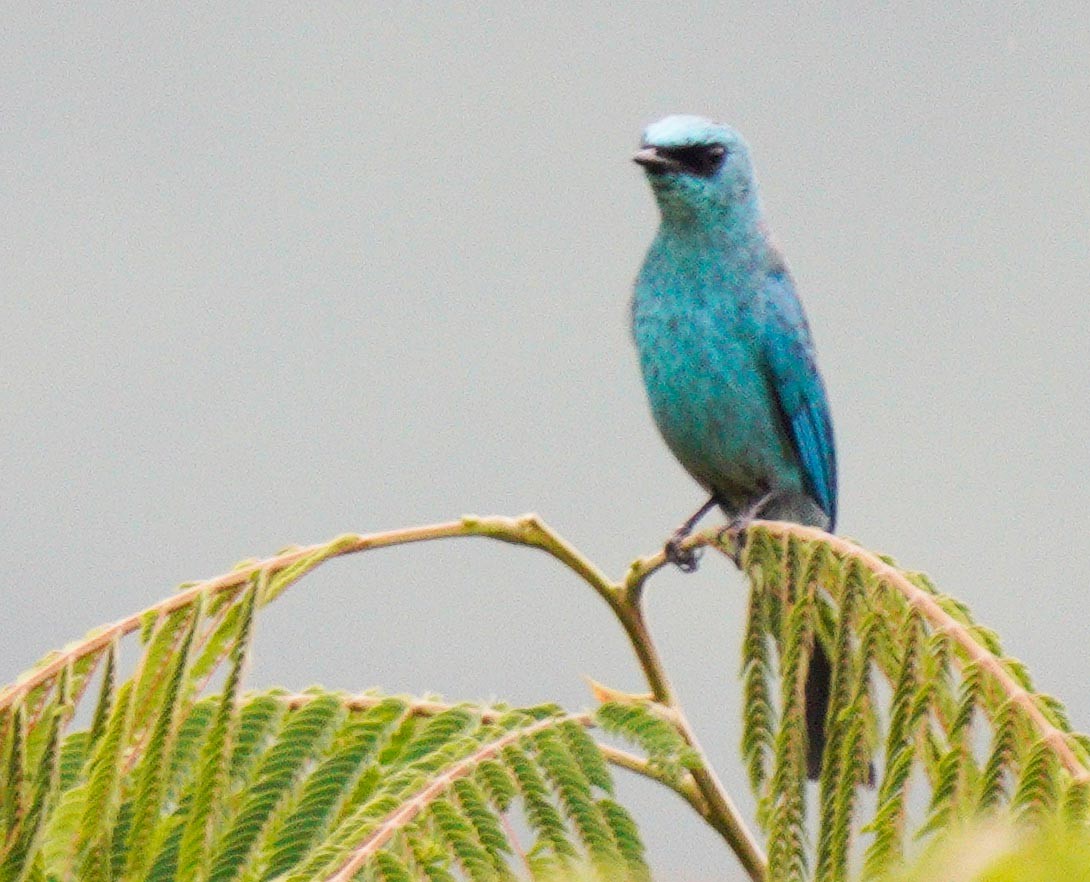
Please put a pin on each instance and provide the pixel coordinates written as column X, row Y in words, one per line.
column 697, row 168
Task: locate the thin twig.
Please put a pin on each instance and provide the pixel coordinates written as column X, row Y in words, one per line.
column 623, row 598
column 702, row 790
column 723, row 815
column 520, row 531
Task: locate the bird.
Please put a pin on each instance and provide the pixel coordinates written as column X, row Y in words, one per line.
column 727, row 357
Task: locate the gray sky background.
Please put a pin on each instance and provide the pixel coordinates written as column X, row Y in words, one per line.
column 274, row 272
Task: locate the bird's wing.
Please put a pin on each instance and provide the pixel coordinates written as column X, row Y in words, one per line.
column 800, row 392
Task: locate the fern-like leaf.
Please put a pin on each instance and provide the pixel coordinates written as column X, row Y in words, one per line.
column 1002, row 757
column 205, row 808
column 787, row 812
column 1039, row 787
column 644, row 725
column 759, row 723
column 328, row 786
column 305, row 733
column 152, row 771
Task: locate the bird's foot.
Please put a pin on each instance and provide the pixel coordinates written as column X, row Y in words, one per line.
column 685, row 559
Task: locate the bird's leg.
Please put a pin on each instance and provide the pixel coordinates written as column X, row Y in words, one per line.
column 685, row 559
column 740, row 522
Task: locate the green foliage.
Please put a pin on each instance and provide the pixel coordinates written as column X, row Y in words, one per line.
column 436, row 803
column 167, row 784
column 951, row 691
column 646, row 726
column 170, row 784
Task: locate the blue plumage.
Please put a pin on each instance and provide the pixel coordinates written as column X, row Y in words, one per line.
column 725, row 349
column 800, row 394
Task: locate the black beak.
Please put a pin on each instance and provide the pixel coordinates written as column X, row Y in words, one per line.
column 654, row 162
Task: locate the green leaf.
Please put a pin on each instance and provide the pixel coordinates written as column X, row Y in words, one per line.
column 151, row 773
column 786, row 813
column 642, row 724
column 460, row 836
column 102, row 799
column 1039, row 788
column 206, row 808
column 19, row 862
column 1002, row 757
column 327, row 788
column 477, row 811
column 575, row 794
column 759, row 721
column 12, row 794
column 306, row 732
column 541, row 813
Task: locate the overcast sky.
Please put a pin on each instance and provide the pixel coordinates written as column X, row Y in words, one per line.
column 273, row 272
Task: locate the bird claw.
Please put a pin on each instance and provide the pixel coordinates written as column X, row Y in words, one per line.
column 685, row 559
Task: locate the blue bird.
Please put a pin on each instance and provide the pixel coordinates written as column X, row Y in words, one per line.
column 726, row 353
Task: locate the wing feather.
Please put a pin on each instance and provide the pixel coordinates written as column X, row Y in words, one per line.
column 800, row 393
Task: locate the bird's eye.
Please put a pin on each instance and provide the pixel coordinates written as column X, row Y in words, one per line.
column 702, row 160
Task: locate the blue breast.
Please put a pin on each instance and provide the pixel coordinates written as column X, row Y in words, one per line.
column 698, row 334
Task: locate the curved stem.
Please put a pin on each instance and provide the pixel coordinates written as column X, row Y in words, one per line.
column 623, row 598
column 722, row 814
column 632, row 620
column 703, row 791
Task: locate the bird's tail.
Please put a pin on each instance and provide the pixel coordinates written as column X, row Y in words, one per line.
column 818, row 685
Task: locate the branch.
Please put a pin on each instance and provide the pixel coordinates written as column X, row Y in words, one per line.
column 722, row 814
column 622, row 598
column 701, row 788
column 923, row 601
column 305, row 559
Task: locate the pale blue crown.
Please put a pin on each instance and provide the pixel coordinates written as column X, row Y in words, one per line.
column 685, row 131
